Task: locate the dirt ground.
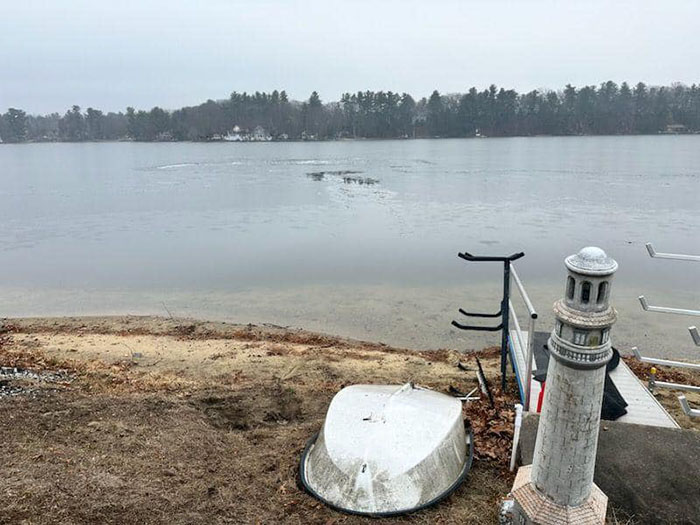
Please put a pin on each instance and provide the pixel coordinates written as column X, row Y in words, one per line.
column 168, row 421
column 156, row 420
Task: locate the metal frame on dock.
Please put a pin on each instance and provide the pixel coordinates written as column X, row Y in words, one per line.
column 693, row 334
column 663, row 362
column 665, row 309
column 692, row 412
column 678, row 256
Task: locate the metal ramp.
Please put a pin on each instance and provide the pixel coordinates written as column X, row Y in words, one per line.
column 642, row 408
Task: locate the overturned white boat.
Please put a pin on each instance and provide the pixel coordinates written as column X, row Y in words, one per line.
column 387, row 449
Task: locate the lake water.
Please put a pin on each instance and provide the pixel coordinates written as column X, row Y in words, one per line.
column 295, row 233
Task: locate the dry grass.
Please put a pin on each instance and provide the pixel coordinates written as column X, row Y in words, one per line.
column 208, row 426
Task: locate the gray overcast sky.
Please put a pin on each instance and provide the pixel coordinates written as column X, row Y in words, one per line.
column 181, row 52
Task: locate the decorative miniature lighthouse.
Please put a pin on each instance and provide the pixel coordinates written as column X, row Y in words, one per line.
column 558, row 487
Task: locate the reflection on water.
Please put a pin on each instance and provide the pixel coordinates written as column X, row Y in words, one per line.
column 358, row 238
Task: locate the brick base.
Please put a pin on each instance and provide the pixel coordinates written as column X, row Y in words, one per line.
column 532, row 507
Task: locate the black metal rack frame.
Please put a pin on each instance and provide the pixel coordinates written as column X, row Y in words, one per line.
column 503, row 311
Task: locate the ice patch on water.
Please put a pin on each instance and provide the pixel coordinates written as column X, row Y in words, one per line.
column 312, row 161
column 175, row 166
column 202, row 164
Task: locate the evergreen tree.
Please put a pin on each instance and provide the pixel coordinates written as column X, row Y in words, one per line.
column 406, row 114
column 14, row 126
column 72, row 127
column 94, row 122
column 435, row 117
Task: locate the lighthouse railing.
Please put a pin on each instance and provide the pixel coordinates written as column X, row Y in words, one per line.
column 526, row 349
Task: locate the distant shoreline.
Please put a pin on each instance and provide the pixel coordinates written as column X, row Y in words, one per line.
column 491, row 112
column 353, row 139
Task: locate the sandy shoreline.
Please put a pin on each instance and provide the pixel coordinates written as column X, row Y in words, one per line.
column 408, row 317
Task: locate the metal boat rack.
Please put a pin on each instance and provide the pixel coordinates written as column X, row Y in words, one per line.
column 693, row 333
column 507, row 315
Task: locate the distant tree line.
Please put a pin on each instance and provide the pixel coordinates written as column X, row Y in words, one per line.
column 495, row 112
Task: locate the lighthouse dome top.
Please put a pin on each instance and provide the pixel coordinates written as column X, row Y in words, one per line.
column 591, row 260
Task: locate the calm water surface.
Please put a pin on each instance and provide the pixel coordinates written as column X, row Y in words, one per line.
column 285, row 233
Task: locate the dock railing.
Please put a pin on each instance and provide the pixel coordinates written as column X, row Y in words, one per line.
column 527, row 347
column 693, row 334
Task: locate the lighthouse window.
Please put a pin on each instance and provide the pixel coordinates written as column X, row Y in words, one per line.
column 559, row 326
column 580, row 337
column 605, row 336
column 602, row 290
column 570, row 287
column 585, row 292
